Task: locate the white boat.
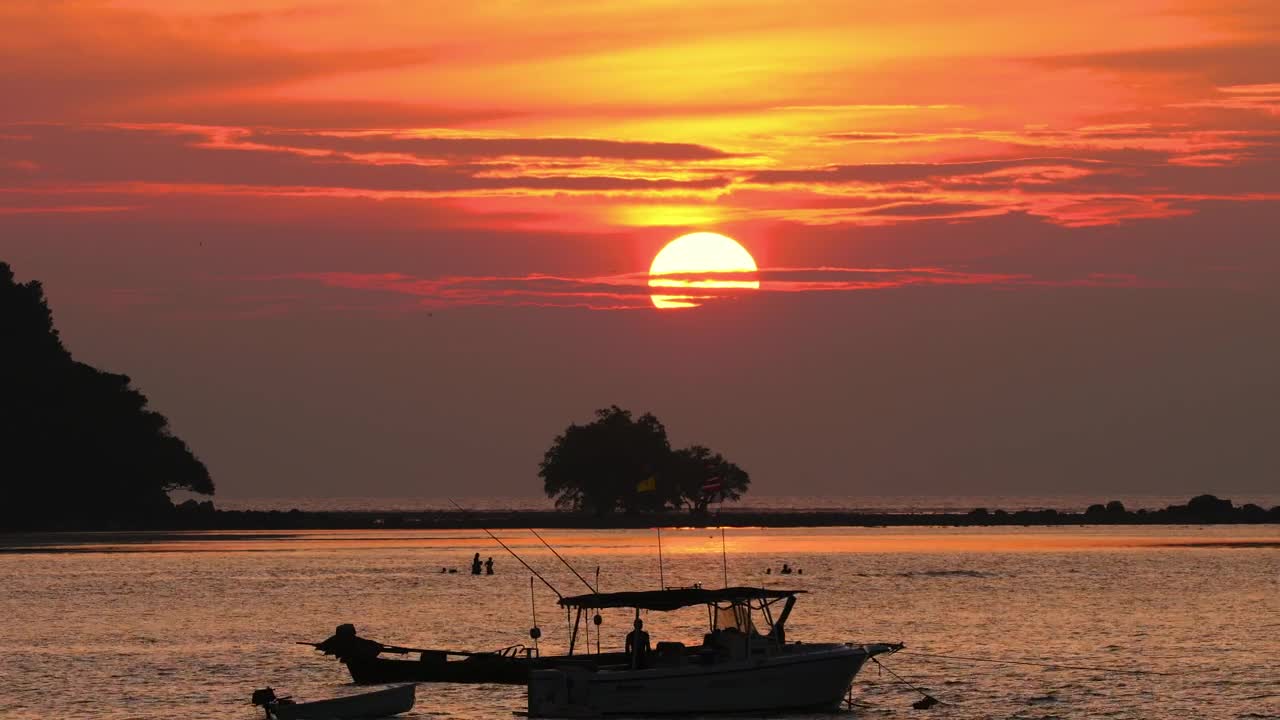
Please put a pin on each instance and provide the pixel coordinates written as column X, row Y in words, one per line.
column 377, row 704
column 735, row 670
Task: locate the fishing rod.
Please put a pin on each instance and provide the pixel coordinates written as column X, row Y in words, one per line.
column 566, row 562
column 514, row 555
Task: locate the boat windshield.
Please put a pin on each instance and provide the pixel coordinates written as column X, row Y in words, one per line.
column 736, row 616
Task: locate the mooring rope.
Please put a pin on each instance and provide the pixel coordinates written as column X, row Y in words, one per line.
column 1054, row 666
column 927, row 701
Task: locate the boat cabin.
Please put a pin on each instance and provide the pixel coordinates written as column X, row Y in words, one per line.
column 741, row 621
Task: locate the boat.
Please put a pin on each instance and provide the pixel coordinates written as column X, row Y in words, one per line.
column 377, row 704
column 367, row 665
column 736, row 669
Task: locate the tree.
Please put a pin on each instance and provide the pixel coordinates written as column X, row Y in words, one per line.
column 618, row 462
column 78, row 446
column 598, row 466
column 702, row 477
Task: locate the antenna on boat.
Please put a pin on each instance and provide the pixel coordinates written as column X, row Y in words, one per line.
column 662, row 580
column 566, row 563
column 514, row 555
column 724, row 558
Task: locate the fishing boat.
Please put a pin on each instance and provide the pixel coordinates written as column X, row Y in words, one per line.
column 735, row 669
column 377, row 704
column 367, row 665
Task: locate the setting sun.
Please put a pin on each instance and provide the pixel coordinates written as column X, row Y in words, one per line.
column 681, row 261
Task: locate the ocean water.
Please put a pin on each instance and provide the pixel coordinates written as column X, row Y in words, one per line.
column 186, row 625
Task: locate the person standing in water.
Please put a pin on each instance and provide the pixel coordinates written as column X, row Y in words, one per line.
column 475, row 564
column 488, row 566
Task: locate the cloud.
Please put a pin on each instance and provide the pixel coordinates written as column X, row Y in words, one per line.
column 1237, row 64
column 882, row 173
column 91, row 60
column 485, row 147
column 631, row 291
column 211, row 157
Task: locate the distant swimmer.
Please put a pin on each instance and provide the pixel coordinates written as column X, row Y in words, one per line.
column 768, row 571
column 786, row 569
column 475, row 564
column 488, row 566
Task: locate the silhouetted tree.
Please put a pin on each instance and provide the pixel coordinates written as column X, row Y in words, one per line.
column 694, row 469
column 78, row 446
column 608, row 464
column 598, row 466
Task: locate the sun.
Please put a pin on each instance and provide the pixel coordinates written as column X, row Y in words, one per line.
column 679, row 264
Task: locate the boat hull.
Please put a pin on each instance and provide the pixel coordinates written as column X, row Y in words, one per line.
column 812, row 678
column 497, row 669
column 382, row 703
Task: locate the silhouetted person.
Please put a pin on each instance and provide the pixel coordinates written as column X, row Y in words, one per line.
column 768, row 571
column 488, row 566
column 475, row 564
column 637, row 646
column 786, row 569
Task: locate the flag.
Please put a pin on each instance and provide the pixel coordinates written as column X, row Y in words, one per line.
column 712, row 485
column 649, row 485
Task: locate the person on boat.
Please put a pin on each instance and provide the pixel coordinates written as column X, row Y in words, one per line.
column 475, row 564
column 637, row 646
column 488, row 566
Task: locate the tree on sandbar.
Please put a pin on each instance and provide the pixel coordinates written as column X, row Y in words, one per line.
column 620, row 462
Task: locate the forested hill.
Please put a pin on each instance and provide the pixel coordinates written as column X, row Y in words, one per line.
column 79, row 447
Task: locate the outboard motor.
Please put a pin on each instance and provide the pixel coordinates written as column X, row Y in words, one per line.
column 266, row 698
column 345, row 644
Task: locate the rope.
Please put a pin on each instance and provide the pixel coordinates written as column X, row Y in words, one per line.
column 928, row 701
column 1054, row 666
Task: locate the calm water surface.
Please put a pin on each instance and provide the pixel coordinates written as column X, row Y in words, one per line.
column 187, row 625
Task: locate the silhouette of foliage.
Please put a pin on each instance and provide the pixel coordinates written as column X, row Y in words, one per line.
column 603, row 466
column 79, row 447
column 692, row 468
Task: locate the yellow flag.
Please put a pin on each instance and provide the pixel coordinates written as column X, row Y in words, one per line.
column 647, row 485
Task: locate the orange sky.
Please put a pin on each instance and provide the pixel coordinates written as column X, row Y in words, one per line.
column 179, row 161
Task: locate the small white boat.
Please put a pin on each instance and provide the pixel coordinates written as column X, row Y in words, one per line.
column 377, row 704
column 736, row 669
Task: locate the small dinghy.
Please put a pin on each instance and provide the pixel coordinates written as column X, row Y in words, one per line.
column 378, row 704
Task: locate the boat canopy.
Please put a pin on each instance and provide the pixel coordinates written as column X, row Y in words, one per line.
column 675, row 599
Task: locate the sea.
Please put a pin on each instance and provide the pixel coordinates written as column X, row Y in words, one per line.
column 1063, row 622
